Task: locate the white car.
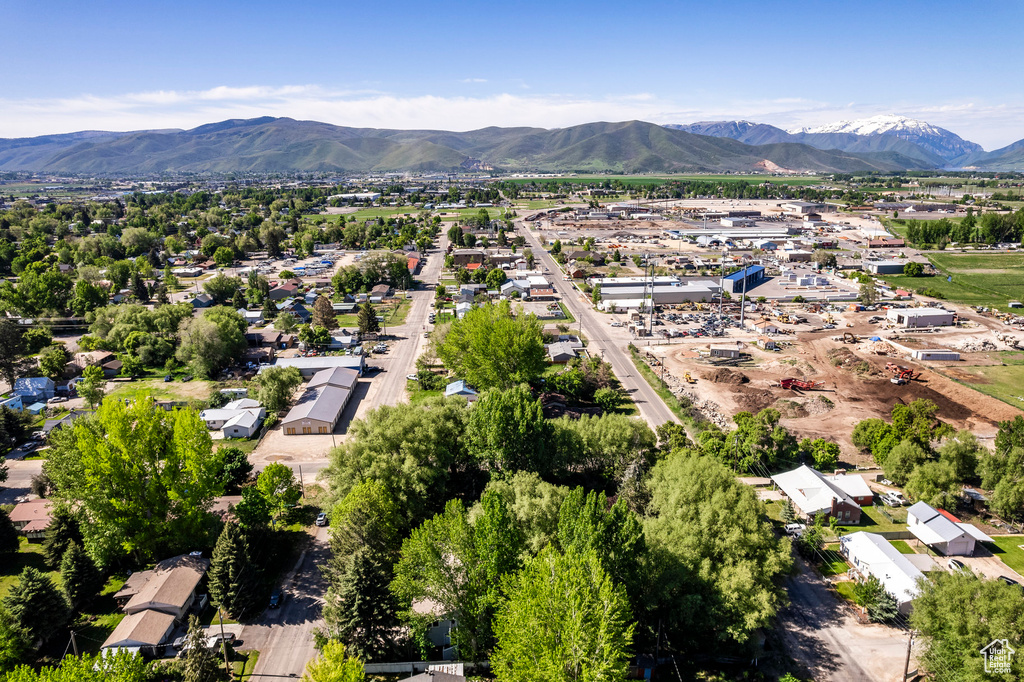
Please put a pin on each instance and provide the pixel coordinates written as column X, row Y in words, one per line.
column 795, row 529
column 616, row 324
column 412, row 377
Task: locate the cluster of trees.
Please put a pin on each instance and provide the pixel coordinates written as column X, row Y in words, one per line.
column 544, row 577
column 169, row 336
column 378, row 268
column 988, row 228
column 924, row 454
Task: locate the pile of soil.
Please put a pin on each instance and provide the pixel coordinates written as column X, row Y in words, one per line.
column 820, row 405
column 844, row 358
column 754, row 401
column 725, row 376
column 790, row 409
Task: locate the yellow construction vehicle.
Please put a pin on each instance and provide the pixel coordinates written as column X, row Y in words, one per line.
column 783, row 318
column 690, row 379
column 829, row 319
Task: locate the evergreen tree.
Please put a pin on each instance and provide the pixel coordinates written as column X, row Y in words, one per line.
column 62, row 532
column 360, row 609
column 36, row 605
column 14, row 644
column 788, row 513
column 199, row 664
column 234, row 579
column 367, row 319
column 9, row 540
column 81, row 578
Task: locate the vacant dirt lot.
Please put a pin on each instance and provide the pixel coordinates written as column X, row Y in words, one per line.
column 854, row 386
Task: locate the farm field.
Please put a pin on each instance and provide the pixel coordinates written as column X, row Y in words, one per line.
column 1004, row 382
column 978, row 279
column 644, row 180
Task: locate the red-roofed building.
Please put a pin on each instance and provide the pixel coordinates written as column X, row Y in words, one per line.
column 414, row 266
column 32, row 518
column 948, row 515
column 473, row 266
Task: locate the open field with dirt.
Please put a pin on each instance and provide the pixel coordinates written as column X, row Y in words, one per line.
column 854, row 386
column 985, row 279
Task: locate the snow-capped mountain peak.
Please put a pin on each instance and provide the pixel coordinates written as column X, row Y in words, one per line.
column 876, row 125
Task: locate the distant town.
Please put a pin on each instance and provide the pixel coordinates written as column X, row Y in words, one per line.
column 484, row 424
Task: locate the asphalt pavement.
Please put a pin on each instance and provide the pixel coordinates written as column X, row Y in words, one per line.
column 607, row 342
column 284, row 636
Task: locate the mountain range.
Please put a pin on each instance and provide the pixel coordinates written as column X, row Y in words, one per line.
column 926, row 144
column 287, row 145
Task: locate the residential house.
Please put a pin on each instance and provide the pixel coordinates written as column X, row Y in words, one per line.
column 168, row 588
column 942, row 531
column 871, row 554
column 32, row 518
column 251, row 317
column 561, row 352
column 33, row 389
column 238, row 419
column 202, row 301
column 51, row 424
column 379, row 293
column 283, row 291
column 144, row 631
column 462, row 308
column 463, row 257
column 460, row 388
column 112, row 368
column 814, row 493
column 11, row 402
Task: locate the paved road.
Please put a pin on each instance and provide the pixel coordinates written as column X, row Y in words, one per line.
column 284, row 637
column 19, row 478
column 606, row 341
column 822, row 633
column 407, row 340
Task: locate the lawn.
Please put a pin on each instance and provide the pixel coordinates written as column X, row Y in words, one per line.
column 902, row 546
column 874, row 521
column 565, row 311
column 986, row 279
column 243, row 663
column 418, row 395
column 1001, row 382
column 99, row 618
column 832, row 562
column 845, row 590
column 1008, row 549
column 197, row 389
column 29, row 554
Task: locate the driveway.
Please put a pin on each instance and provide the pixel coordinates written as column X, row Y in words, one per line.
column 824, row 635
column 284, row 636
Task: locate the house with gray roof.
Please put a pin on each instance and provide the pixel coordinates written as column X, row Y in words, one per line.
column 942, row 531
column 317, row 411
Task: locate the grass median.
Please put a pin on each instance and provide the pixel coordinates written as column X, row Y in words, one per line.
column 661, row 388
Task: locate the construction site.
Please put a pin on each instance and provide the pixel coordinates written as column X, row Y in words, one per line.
column 824, row 381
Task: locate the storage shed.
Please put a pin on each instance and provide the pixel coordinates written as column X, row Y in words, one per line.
column 937, row 354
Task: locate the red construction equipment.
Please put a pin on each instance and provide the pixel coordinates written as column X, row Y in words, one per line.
column 793, row 383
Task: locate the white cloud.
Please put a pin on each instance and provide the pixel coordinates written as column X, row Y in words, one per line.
column 474, row 80
column 989, row 125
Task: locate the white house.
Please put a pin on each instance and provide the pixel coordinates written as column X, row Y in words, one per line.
column 941, row 531
column 813, row 493
column 238, row 419
column 460, row 388
column 252, row 317
column 871, row 554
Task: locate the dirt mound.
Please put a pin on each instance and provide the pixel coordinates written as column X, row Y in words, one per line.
column 790, row 409
column 844, row 358
column 754, row 401
column 974, row 346
column 788, row 367
column 725, row 376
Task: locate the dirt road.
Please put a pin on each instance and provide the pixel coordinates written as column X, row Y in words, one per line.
column 822, row 634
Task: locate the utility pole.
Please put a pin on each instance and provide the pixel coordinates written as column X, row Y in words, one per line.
column 74, row 643
column 906, row 665
column 302, row 486
column 224, row 643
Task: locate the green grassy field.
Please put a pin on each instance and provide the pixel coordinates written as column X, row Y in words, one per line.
column 646, row 180
column 196, row 389
column 902, row 546
column 990, row 279
column 873, row 521
column 832, row 562
column 1008, row 549
column 845, row 590
column 1002, row 383
column 29, row 554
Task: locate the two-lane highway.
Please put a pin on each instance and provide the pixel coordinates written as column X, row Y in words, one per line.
column 603, row 340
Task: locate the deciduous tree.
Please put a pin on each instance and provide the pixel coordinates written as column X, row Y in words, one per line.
column 275, row 385
column 334, row 665
column 278, row 486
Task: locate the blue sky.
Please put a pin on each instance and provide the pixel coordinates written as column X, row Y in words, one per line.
column 461, row 65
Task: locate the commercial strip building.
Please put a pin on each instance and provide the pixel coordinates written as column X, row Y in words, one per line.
column 916, row 318
column 321, row 405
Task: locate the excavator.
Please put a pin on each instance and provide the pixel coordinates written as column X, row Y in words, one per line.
column 901, row 375
column 690, row 379
column 849, row 337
